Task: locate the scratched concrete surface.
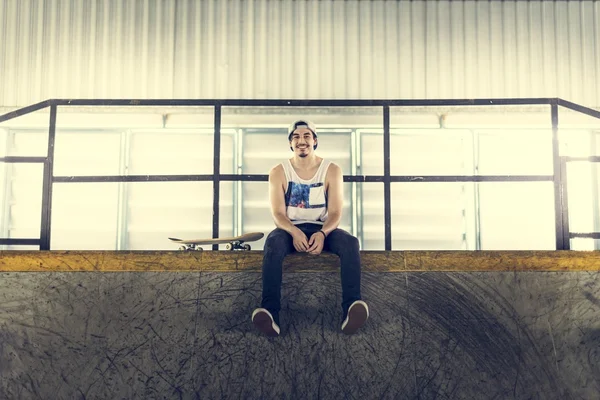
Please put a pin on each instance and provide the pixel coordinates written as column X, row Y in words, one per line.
column 432, row 335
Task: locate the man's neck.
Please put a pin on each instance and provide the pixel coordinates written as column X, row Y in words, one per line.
column 307, row 162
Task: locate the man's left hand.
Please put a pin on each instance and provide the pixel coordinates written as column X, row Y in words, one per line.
column 316, row 242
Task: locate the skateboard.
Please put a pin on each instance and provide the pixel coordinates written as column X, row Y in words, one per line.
column 233, row 243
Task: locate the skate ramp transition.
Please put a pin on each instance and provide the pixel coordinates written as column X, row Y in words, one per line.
column 176, row 325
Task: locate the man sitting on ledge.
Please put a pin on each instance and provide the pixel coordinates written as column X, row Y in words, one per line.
column 306, row 195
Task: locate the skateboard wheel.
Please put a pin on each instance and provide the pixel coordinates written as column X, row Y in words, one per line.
column 182, row 248
column 228, row 246
column 247, row 247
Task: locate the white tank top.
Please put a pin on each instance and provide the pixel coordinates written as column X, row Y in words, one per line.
column 306, row 200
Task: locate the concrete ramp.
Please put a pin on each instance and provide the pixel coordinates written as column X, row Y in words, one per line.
column 187, row 335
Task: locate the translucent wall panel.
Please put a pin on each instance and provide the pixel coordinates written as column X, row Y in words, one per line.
column 21, row 186
column 351, row 137
column 371, row 152
column 584, row 244
column 371, row 211
column 85, row 216
column 431, row 152
column 276, row 121
column 348, row 221
column 18, row 247
column 229, row 152
column 417, row 152
column 429, row 216
column 28, row 143
column 256, row 210
column 23, row 200
column 156, row 211
column 579, row 143
column 229, row 198
column 516, row 216
column 424, row 216
column 173, row 152
column 87, row 153
column 263, row 149
column 228, row 210
column 514, row 152
column 3, row 141
column 336, row 146
column 583, row 185
column 583, row 194
column 4, row 179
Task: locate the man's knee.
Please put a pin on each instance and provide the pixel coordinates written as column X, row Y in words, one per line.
column 344, row 240
column 277, row 240
column 351, row 242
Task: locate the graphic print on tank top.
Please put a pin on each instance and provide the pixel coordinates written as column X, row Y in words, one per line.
column 305, row 196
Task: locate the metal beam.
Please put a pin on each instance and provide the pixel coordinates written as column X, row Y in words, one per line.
column 17, row 241
column 387, row 190
column 45, row 228
column 301, row 103
column 576, row 107
column 216, row 174
column 558, row 201
column 17, row 160
column 132, row 178
column 25, row 110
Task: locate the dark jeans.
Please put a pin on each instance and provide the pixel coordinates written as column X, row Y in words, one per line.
column 279, row 244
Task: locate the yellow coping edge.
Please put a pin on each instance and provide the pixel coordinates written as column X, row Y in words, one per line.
column 223, row 261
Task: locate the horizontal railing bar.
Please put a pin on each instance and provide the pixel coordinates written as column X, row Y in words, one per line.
column 131, row 178
column 589, row 235
column 18, row 241
column 300, row 103
column 589, row 159
column 15, row 159
column 264, row 178
column 474, row 178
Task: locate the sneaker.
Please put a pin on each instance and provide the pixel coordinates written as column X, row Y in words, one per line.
column 263, row 320
column 358, row 313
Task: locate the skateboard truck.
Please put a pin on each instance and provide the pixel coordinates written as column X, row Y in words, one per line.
column 237, row 245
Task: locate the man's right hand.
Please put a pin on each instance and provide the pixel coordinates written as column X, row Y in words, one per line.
column 300, row 240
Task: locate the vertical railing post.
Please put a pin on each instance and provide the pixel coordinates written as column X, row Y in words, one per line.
column 216, row 174
column 45, row 228
column 558, row 184
column 565, row 204
column 386, row 179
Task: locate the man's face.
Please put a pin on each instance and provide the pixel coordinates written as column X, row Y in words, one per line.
column 302, row 142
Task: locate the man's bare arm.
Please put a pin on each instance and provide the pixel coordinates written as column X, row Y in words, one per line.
column 277, row 198
column 334, row 182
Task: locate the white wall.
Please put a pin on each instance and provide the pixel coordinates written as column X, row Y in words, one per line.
column 298, row 49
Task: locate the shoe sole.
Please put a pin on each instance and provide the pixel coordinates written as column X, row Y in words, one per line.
column 264, row 323
column 357, row 316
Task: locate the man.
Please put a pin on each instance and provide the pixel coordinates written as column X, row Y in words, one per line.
column 306, row 195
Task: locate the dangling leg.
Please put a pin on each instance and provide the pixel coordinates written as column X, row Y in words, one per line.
column 279, row 244
column 355, row 312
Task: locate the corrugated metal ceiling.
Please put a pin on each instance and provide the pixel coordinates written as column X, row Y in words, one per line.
column 298, row 49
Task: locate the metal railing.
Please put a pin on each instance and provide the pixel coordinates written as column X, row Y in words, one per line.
column 558, row 177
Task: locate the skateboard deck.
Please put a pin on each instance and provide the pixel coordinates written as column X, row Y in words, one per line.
column 233, row 243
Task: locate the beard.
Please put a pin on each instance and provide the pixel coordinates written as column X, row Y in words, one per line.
column 304, row 151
